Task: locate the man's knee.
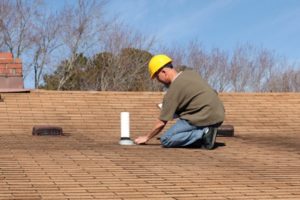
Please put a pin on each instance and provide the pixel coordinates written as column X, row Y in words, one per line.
column 164, row 141
column 170, row 142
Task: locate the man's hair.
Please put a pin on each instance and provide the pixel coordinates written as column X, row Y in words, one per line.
column 168, row 65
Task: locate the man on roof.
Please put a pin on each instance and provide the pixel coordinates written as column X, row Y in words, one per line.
column 200, row 111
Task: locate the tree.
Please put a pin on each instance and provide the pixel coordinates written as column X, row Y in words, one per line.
column 220, row 76
column 81, row 25
column 240, row 68
column 75, row 82
column 287, row 80
column 130, row 52
column 135, row 65
column 45, row 42
column 99, row 72
column 16, row 25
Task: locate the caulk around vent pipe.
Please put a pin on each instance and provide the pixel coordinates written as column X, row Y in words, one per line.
column 125, row 125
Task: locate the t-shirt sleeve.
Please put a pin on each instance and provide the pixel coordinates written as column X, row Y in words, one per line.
column 168, row 107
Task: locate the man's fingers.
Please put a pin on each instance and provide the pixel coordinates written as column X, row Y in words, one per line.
column 139, row 140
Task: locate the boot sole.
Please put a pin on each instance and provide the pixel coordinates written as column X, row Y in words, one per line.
column 212, row 144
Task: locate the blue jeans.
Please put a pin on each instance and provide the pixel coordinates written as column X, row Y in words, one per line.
column 182, row 134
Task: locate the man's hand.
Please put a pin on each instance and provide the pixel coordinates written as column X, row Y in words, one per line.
column 141, row 140
column 156, row 129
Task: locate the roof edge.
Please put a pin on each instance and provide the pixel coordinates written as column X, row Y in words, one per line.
column 15, row 90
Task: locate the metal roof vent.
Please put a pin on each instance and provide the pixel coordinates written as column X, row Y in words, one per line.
column 46, row 130
column 226, row 131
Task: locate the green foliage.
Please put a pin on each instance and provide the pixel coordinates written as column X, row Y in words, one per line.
column 77, row 74
column 126, row 71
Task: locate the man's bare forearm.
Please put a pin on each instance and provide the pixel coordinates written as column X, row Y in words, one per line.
column 159, row 125
column 157, row 129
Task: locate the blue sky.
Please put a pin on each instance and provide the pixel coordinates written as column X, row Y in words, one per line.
column 272, row 24
column 224, row 24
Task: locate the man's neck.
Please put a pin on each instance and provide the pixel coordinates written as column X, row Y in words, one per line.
column 176, row 75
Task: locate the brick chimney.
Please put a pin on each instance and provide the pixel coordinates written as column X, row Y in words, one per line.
column 11, row 76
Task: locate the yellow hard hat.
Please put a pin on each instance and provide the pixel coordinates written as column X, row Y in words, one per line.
column 157, row 62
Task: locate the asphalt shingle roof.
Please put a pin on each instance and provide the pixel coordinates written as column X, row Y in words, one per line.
column 262, row 161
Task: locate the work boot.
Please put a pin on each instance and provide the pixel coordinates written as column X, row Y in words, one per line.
column 209, row 138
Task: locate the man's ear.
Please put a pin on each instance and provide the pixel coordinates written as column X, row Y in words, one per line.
column 163, row 71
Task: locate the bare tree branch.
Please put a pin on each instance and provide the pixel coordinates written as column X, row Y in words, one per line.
column 80, row 25
column 15, row 27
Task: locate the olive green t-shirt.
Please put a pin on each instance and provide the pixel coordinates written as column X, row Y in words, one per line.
column 192, row 99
